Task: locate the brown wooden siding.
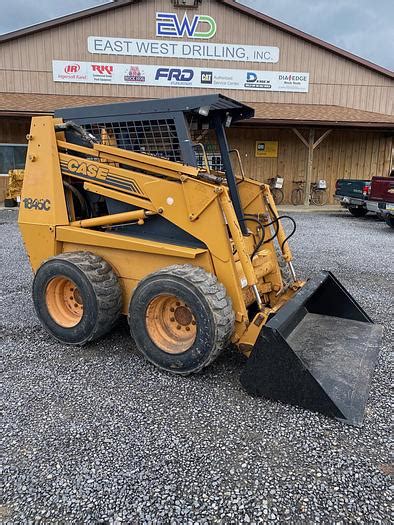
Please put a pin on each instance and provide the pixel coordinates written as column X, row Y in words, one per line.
column 343, row 154
column 25, row 63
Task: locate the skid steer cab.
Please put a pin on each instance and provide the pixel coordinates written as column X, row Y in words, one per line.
column 143, row 209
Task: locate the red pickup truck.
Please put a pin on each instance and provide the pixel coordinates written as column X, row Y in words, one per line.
column 381, row 198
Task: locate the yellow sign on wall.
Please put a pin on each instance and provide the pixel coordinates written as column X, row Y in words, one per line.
column 267, row 148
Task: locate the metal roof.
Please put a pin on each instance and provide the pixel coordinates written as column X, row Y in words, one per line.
column 186, row 105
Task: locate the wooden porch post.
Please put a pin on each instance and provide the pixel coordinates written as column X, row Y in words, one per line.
column 311, row 145
column 309, row 167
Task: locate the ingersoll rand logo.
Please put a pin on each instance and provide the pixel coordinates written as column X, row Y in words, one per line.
column 201, row 26
column 72, row 68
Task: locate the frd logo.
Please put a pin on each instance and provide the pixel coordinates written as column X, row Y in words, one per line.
column 181, row 75
column 201, row 26
column 72, row 68
column 102, row 70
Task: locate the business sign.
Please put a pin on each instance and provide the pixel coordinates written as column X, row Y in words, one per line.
column 187, row 50
column 179, row 76
column 201, row 26
column 267, row 148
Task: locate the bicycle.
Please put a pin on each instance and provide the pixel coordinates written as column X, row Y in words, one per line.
column 318, row 194
column 276, row 184
column 297, row 195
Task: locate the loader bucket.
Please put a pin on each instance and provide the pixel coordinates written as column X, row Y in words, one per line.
column 318, row 352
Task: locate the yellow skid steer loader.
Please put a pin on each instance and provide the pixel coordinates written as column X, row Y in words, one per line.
column 122, row 212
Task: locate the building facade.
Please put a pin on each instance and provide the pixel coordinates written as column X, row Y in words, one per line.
column 320, row 112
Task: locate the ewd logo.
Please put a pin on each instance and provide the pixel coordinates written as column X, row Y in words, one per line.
column 201, row 26
column 181, row 75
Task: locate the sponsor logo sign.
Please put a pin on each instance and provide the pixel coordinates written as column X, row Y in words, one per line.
column 175, row 75
column 200, row 26
column 257, row 81
column 187, row 50
column 134, row 74
column 102, row 72
column 72, row 68
column 294, row 81
column 206, row 77
column 72, row 72
column 184, row 76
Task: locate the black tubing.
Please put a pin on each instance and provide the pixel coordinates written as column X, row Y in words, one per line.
column 81, row 199
column 261, row 241
column 294, row 228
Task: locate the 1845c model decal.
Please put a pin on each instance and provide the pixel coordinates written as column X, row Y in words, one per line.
column 89, row 170
column 37, row 204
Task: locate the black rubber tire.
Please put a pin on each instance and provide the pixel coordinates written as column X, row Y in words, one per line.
column 277, row 195
column 99, row 289
column 358, row 212
column 10, row 203
column 297, row 196
column 390, row 221
column 211, row 307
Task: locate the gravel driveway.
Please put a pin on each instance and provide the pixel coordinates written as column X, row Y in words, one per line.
column 97, row 435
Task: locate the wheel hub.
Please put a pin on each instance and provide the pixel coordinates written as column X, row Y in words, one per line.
column 183, row 315
column 170, row 324
column 64, row 302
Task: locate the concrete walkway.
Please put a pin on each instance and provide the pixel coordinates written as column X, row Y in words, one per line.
column 328, row 208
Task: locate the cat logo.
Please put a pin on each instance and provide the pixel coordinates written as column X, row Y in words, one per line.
column 206, row 77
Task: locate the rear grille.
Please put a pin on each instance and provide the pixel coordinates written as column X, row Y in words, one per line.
column 155, row 137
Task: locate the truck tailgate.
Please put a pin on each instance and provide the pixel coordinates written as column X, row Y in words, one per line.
column 382, row 189
column 351, row 188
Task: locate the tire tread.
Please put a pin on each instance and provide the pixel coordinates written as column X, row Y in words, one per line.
column 105, row 285
column 218, row 300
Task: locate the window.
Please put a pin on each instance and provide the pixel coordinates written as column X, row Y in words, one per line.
column 12, row 156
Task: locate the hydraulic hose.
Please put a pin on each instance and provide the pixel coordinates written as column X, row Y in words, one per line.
column 277, row 218
column 86, row 137
column 294, row 229
column 81, row 199
column 258, row 245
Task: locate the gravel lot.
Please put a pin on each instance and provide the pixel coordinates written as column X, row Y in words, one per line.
column 97, row 435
